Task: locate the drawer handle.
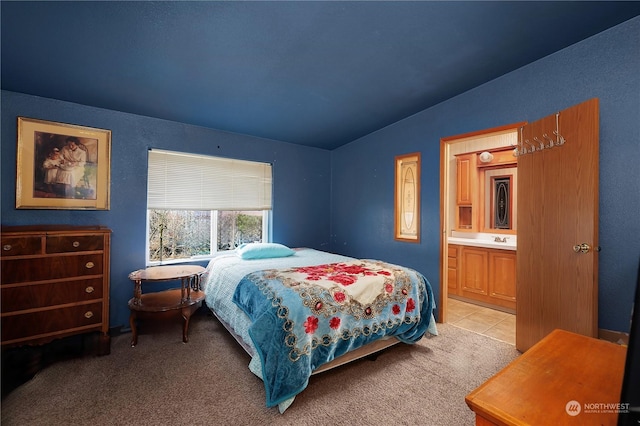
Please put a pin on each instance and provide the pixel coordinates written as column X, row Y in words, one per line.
column 6, row 247
column 76, row 244
column 88, row 314
column 90, row 265
column 89, row 289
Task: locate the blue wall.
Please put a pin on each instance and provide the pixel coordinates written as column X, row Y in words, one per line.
column 301, row 181
column 606, row 66
column 342, row 200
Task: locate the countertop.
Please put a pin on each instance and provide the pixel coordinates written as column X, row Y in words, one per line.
column 483, row 240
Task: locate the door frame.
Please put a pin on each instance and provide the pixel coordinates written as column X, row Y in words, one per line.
column 445, row 148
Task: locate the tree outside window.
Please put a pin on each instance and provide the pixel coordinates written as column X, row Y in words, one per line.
column 183, row 234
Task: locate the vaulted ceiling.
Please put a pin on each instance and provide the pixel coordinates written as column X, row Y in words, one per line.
column 307, row 72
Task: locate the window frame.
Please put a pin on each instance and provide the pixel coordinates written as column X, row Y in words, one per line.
column 183, row 181
column 213, row 239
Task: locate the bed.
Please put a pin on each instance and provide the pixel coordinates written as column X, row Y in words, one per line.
column 298, row 312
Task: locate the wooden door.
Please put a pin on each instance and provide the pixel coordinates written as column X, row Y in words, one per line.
column 557, row 287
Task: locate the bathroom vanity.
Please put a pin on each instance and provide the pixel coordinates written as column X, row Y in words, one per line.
column 481, row 274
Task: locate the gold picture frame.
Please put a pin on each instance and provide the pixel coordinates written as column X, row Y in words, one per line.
column 407, row 198
column 62, row 166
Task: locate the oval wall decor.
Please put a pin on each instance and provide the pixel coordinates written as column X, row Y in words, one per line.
column 407, row 198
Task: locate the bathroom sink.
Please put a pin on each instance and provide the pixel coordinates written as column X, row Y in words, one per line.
column 484, row 240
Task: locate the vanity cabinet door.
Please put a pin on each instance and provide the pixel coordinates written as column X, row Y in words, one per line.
column 465, row 172
column 474, row 270
column 466, row 182
column 452, row 269
column 502, row 275
column 487, row 276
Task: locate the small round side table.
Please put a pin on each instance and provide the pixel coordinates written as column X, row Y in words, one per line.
column 184, row 300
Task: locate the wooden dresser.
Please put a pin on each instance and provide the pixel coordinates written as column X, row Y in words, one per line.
column 55, row 283
column 564, row 379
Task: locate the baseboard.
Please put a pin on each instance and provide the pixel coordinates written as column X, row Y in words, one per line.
column 617, row 337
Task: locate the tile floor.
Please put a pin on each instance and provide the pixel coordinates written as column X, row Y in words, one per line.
column 489, row 322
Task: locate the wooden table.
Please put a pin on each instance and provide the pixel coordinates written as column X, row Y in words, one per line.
column 184, row 300
column 565, row 379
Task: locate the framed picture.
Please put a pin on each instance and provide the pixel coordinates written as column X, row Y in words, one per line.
column 62, row 166
column 407, row 198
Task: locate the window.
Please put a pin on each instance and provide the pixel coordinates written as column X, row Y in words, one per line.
column 199, row 205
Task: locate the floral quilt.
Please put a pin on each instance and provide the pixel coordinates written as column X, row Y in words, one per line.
column 303, row 317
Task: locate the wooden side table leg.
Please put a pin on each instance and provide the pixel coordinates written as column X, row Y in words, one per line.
column 186, row 316
column 134, row 330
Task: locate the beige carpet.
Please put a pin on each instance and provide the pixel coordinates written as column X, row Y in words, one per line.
column 207, row 382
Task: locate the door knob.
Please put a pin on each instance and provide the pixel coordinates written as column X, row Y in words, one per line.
column 582, row 248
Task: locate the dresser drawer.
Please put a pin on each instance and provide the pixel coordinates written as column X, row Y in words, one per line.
column 50, row 294
column 50, row 321
column 17, row 246
column 50, row 268
column 74, row 243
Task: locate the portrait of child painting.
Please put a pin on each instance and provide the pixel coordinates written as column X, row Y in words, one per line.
column 68, row 167
column 62, row 166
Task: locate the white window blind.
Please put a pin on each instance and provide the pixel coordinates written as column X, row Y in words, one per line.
column 179, row 181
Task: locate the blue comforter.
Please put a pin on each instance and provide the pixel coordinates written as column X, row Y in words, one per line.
column 304, row 317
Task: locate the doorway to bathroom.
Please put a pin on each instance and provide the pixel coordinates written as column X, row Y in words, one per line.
column 557, row 237
column 479, row 231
